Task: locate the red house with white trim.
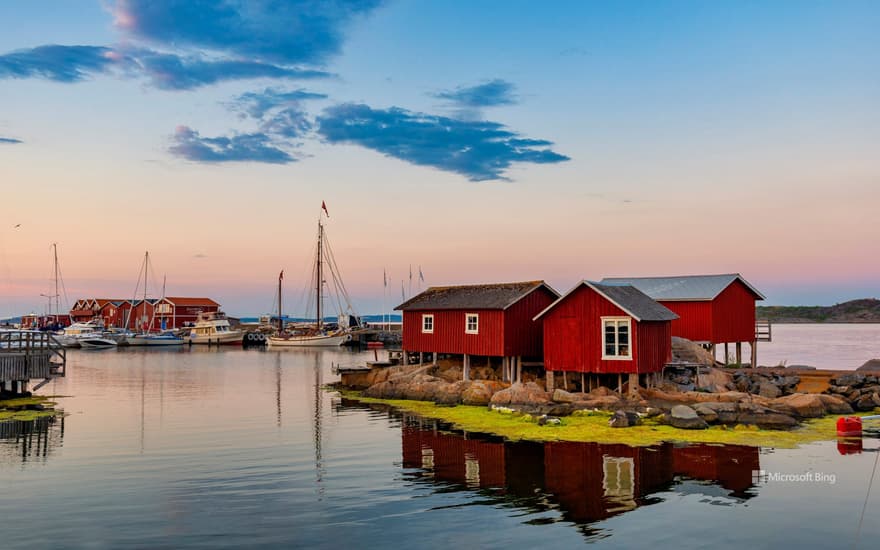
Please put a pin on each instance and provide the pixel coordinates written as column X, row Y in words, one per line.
column 606, row 329
column 489, row 320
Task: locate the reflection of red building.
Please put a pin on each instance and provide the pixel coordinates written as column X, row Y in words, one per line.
column 589, row 481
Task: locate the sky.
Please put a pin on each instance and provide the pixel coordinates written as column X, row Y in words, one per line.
column 482, row 141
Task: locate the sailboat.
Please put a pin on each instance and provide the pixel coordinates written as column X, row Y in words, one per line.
column 318, row 333
column 147, row 338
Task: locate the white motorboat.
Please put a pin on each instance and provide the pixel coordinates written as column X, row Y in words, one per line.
column 96, row 342
column 164, row 339
column 213, row 328
column 71, row 337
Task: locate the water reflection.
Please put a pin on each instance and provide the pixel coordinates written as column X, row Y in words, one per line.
column 30, row 440
column 586, row 482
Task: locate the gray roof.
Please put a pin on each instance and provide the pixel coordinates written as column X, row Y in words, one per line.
column 489, row 296
column 628, row 298
column 687, row 287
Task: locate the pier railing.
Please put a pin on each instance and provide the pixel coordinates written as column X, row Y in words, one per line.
column 763, row 330
column 31, row 355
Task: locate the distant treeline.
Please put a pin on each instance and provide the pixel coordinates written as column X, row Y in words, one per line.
column 855, row 311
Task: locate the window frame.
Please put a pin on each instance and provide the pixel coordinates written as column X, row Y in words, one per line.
column 426, row 316
column 616, row 320
column 467, row 318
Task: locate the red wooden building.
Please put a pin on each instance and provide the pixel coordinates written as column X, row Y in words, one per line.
column 180, row 311
column 711, row 309
column 491, row 320
column 606, row 329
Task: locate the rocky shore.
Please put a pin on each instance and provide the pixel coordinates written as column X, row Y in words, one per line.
column 717, row 396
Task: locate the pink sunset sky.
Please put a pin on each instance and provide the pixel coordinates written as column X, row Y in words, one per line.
column 662, row 140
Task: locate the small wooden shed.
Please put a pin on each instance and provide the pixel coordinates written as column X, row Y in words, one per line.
column 488, row 320
column 606, row 329
column 711, row 309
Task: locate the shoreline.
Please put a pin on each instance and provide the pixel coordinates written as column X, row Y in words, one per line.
column 592, row 426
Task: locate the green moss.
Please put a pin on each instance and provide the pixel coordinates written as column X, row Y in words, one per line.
column 18, row 408
column 593, row 426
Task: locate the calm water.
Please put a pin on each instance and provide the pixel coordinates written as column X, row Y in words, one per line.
column 843, row 347
column 232, row 448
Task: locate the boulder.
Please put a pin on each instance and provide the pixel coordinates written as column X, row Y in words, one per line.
column 767, row 420
column 716, row 380
column 562, row 396
column 802, row 405
column 706, row 413
column 684, row 417
column 849, row 379
column 527, row 393
column 608, row 402
column 769, row 390
column 624, row 419
column 870, row 365
column 865, row 403
column 602, row 391
column 480, row 392
column 685, row 351
column 835, row 405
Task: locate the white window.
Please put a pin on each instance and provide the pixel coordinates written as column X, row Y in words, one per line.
column 616, row 338
column 472, row 323
column 428, row 324
column 164, row 308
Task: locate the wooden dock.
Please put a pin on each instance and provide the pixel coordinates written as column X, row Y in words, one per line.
column 27, row 355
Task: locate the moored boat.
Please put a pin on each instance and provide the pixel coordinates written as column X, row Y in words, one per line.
column 164, row 339
column 213, row 328
column 96, row 342
column 317, row 334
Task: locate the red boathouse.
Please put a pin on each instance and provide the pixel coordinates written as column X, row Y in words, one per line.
column 602, row 329
column 490, row 320
column 711, row 309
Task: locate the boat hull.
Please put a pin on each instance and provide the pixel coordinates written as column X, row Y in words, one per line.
column 154, row 341
column 226, row 338
column 307, row 341
column 97, row 343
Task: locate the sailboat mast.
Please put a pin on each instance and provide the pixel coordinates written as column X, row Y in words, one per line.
column 57, row 307
column 280, row 321
column 146, row 265
column 318, row 267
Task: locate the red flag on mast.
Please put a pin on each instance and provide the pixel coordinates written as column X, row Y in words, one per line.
column 324, row 207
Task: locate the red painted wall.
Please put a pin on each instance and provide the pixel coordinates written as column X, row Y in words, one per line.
column 506, row 333
column 522, row 335
column 573, row 339
column 449, row 335
column 733, row 314
column 730, row 317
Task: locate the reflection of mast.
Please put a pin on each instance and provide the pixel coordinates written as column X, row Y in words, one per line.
column 318, row 417
column 278, row 388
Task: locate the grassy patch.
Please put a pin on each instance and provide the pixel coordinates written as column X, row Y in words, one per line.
column 21, row 408
column 593, row 427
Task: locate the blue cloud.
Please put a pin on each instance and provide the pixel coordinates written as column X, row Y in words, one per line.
column 56, row 62
column 489, row 94
column 9, row 141
column 173, row 72
column 256, row 104
column 256, row 147
column 276, row 31
column 478, row 150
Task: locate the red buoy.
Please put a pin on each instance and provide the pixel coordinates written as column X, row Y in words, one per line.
column 849, row 426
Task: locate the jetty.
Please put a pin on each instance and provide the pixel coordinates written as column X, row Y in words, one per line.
column 27, row 355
